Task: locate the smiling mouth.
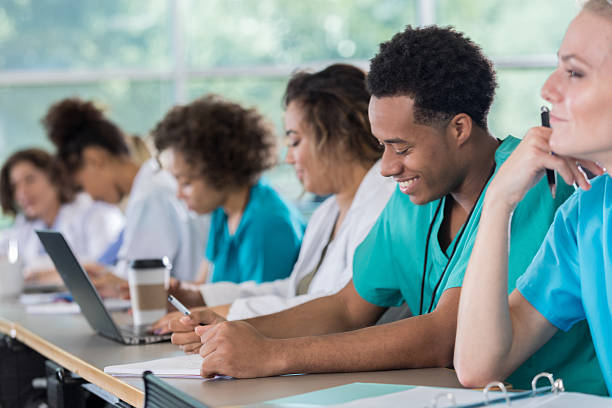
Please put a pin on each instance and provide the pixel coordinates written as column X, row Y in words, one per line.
column 408, row 183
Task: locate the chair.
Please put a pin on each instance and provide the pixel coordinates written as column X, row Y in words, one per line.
column 160, row 394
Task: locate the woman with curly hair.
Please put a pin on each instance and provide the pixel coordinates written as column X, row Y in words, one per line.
column 333, row 152
column 108, row 165
column 36, row 190
column 217, row 151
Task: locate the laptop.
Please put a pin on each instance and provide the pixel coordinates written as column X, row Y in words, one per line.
column 85, row 294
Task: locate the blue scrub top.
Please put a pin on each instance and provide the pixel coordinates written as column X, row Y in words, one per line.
column 570, row 278
column 266, row 243
column 388, row 265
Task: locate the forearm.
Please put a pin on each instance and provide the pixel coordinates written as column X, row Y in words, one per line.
column 485, row 333
column 329, row 314
column 417, row 342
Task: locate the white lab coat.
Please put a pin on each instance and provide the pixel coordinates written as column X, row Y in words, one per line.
column 250, row 299
column 88, row 226
column 158, row 225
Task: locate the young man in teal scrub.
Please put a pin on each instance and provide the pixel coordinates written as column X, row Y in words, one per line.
column 432, row 89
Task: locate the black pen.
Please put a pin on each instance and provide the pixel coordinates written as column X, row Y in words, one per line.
column 550, row 174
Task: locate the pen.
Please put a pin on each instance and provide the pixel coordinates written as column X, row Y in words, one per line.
column 179, row 306
column 550, row 174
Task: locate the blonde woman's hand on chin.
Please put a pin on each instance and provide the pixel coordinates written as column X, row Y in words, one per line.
column 528, row 163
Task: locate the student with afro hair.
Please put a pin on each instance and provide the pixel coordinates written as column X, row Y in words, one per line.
column 217, row 150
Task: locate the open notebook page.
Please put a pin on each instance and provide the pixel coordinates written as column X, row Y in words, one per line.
column 185, row 366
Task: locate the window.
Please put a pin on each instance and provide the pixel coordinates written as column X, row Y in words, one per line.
column 139, row 59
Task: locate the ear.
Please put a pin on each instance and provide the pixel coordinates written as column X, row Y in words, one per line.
column 95, row 156
column 459, row 128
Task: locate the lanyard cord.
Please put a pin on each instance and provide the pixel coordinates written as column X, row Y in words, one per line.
column 433, row 296
column 431, row 224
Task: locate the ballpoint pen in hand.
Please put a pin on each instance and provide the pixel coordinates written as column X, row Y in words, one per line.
column 550, row 174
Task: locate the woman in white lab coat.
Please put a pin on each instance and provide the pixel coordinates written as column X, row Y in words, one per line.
column 37, row 191
column 108, row 165
column 333, row 153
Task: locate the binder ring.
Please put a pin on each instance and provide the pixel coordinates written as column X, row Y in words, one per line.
column 445, row 395
column 499, row 385
column 555, row 385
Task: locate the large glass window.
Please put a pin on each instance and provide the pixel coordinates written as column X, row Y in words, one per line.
column 139, row 58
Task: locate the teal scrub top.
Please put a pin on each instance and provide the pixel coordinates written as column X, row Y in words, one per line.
column 388, row 269
column 570, row 279
column 266, row 243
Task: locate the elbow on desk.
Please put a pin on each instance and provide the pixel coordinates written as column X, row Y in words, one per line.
column 476, row 373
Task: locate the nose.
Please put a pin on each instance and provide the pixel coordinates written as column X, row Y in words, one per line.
column 19, row 192
column 551, row 90
column 180, row 194
column 391, row 164
column 289, row 158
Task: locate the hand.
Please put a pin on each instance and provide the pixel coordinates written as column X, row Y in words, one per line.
column 45, row 276
column 188, row 293
column 527, row 164
column 110, row 285
column 182, row 327
column 237, row 349
column 95, row 270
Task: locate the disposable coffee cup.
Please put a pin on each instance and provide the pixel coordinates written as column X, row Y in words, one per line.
column 11, row 279
column 11, row 273
column 148, row 280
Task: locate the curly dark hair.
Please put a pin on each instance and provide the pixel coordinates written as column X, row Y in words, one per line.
column 335, row 103
column 226, row 143
column 43, row 161
column 73, row 124
column 441, row 69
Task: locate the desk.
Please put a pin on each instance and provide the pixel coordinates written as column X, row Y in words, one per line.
column 70, row 342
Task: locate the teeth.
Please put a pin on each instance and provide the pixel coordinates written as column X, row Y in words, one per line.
column 407, row 183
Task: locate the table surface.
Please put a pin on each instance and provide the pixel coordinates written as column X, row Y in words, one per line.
column 69, row 341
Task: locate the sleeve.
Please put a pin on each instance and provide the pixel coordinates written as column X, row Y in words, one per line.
column 151, row 232
column 103, row 224
column 222, row 293
column 269, row 250
column 374, row 264
column 246, row 308
column 552, row 283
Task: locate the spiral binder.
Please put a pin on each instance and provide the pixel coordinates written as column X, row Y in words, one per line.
column 555, row 387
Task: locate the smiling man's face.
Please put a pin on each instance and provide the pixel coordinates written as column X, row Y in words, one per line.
column 417, row 156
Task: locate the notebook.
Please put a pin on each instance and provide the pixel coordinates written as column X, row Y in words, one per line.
column 182, row 366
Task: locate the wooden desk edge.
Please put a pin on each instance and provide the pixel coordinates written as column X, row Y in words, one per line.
column 125, row 392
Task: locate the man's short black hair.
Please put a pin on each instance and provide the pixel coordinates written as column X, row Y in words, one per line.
column 441, row 69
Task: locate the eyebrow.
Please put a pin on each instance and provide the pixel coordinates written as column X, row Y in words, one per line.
column 395, row 141
column 568, row 57
column 290, row 132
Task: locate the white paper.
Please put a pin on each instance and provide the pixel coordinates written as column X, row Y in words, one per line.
column 185, row 366
column 112, row 305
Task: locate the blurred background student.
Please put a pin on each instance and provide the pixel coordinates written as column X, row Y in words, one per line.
column 109, row 166
column 217, row 151
column 36, row 189
column 333, row 152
